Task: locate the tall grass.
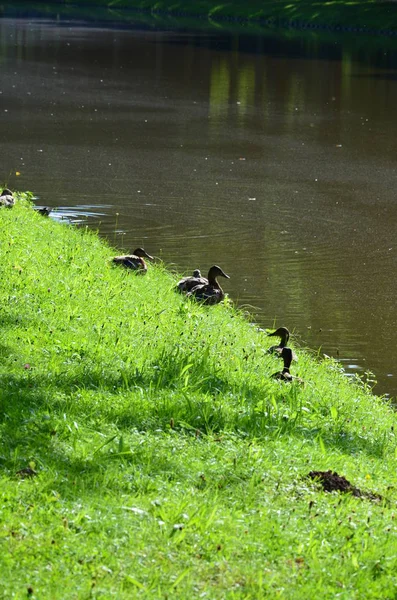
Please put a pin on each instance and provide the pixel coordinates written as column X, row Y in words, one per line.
column 169, row 463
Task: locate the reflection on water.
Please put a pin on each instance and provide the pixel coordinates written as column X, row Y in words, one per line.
column 78, row 214
column 271, row 156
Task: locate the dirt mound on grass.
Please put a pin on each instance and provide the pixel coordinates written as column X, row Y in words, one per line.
column 332, row 482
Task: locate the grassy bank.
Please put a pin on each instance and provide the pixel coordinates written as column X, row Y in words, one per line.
column 168, row 463
column 363, row 15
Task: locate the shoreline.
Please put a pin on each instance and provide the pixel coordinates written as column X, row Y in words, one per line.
column 369, row 18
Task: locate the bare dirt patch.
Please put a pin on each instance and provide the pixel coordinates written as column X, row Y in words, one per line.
column 332, row 482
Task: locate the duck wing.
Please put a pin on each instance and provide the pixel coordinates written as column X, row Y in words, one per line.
column 130, row 261
column 187, row 284
column 207, row 294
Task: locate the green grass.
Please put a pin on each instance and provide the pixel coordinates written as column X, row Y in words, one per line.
column 169, row 464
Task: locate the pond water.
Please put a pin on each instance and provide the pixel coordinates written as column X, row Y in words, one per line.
column 271, row 155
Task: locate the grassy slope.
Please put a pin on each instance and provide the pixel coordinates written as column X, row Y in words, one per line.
column 373, row 15
column 169, row 464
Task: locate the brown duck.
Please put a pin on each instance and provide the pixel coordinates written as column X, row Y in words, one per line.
column 186, row 284
column 134, row 261
column 7, row 199
column 211, row 292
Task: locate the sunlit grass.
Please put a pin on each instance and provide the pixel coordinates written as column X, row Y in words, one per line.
column 169, row 463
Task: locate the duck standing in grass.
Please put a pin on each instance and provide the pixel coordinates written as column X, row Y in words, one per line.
column 283, row 334
column 285, row 375
column 211, row 292
column 6, row 198
column 186, row 284
column 134, row 261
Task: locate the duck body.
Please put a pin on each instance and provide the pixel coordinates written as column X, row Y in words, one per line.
column 283, row 334
column 134, row 261
column 211, row 292
column 285, row 375
column 185, row 285
column 44, row 210
column 7, row 199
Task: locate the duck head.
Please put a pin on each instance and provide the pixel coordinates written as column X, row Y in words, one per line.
column 197, row 273
column 281, row 332
column 142, row 253
column 6, row 192
column 215, row 272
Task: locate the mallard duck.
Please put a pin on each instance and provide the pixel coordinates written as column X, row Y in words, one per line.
column 186, row 284
column 134, row 261
column 283, row 334
column 285, row 375
column 211, row 292
column 7, row 199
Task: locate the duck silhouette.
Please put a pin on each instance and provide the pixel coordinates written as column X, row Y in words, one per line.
column 283, row 334
column 285, row 375
column 210, row 292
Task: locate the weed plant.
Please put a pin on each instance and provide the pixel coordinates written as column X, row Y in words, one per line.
column 166, row 462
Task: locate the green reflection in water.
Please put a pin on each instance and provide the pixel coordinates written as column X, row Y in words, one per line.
column 219, row 89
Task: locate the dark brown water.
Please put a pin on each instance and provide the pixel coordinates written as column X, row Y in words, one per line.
column 274, row 157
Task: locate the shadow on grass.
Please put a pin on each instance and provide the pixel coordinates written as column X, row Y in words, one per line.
column 36, row 415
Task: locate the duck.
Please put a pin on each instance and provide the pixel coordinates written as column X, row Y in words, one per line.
column 285, row 375
column 283, row 334
column 7, row 198
column 134, row 261
column 45, row 211
column 210, row 292
column 186, row 284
